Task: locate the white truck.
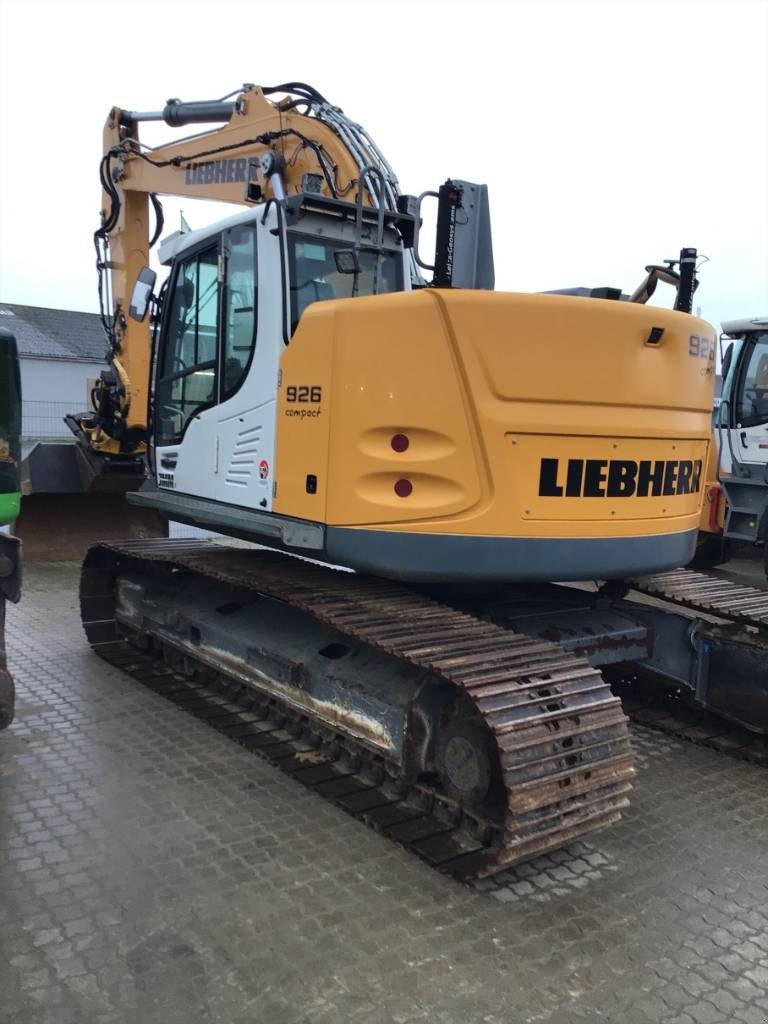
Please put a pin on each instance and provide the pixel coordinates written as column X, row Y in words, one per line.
column 741, row 430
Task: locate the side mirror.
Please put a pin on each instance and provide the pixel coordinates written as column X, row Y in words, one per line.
column 346, row 261
column 142, row 293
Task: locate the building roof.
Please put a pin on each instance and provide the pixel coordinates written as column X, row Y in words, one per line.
column 54, row 333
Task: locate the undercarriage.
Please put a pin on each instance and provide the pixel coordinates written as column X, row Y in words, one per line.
column 480, row 731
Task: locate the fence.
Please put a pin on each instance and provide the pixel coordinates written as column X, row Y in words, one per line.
column 44, row 421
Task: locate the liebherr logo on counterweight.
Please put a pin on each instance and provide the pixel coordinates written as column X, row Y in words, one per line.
column 618, row 478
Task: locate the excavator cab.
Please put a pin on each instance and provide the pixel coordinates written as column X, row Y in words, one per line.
column 237, row 294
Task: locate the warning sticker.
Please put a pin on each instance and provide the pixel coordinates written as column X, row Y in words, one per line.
column 263, row 469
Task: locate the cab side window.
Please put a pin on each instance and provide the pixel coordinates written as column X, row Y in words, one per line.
column 239, row 321
column 186, row 382
column 752, row 408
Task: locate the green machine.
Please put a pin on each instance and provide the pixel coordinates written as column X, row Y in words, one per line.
column 10, row 500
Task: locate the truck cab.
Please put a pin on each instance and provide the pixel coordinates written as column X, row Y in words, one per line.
column 741, row 428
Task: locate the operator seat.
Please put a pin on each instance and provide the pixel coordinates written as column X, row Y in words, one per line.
column 313, row 291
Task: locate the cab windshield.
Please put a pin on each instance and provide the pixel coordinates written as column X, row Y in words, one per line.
column 315, row 276
column 10, row 424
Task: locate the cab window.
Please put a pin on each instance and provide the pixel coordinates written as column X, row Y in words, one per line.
column 752, row 402
column 186, row 381
column 239, row 320
column 316, row 278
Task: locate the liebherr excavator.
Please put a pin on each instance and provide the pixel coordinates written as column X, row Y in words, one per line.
column 305, row 388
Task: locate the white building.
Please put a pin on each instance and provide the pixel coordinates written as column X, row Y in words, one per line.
column 60, row 351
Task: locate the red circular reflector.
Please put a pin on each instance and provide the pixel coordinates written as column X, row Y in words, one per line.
column 403, row 488
column 400, row 443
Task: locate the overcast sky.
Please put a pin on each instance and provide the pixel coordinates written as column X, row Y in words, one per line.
column 610, row 134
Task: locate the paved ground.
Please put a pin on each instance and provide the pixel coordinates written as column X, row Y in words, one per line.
column 152, row 872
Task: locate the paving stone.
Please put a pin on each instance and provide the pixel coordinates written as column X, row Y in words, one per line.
column 153, row 872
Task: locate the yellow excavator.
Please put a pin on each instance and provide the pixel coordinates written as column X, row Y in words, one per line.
column 302, row 385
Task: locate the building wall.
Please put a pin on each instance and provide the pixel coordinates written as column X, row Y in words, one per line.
column 49, row 389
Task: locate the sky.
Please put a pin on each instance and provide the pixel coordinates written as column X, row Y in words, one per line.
column 610, row 134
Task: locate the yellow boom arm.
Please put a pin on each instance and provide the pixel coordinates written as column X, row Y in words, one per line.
column 268, row 148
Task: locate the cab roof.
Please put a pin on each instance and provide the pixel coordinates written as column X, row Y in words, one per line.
column 746, row 326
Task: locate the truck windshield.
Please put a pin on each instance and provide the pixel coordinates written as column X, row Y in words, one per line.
column 315, row 277
column 10, row 428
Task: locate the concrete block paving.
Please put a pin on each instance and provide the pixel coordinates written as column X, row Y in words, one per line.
column 153, row 872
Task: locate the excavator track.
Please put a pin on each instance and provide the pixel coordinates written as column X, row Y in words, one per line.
column 701, row 593
column 740, row 607
column 668, row 711
column 560, row 737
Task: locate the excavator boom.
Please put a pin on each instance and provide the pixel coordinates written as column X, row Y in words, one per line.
column 266, row 149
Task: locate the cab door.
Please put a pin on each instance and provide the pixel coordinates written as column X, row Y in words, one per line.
column 186, row 376
column 252, row 341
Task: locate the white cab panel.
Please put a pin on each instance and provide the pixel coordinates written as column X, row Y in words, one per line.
column 246, row 421
column 227, row 451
